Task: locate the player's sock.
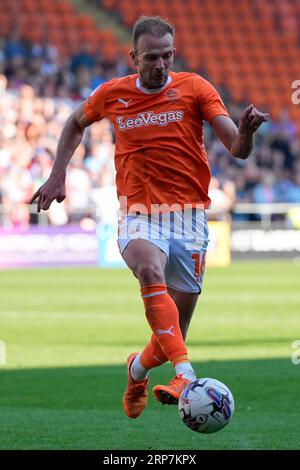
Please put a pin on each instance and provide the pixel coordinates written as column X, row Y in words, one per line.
column 185, row 369
column 153, row 355
column 163, row 318
column 137, row 371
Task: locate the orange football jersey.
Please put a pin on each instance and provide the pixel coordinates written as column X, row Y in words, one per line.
column 160, row 156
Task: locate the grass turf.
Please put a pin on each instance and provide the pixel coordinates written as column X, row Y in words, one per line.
column 68, row 333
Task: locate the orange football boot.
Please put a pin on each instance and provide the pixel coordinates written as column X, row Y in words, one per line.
column 136, row 394
column 169, row 394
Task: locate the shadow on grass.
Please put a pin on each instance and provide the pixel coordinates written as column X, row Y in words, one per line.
column 81, row 408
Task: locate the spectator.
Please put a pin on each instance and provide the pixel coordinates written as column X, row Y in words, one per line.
column 14, row 46
column 264, row 192
column 78, row 187
column 83, row 58
column 223, row 199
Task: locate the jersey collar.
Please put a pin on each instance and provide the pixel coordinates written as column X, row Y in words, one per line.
column 154, row 91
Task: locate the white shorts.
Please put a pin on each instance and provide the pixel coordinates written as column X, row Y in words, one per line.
column 182, row 236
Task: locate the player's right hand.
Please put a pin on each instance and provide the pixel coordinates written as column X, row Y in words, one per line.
column 251, row 119
column 53, row 188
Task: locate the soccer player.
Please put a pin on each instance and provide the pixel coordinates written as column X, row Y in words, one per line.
column 161, row 171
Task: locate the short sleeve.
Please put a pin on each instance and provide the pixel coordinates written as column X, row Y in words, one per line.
column 94, row 105
column 210, row 102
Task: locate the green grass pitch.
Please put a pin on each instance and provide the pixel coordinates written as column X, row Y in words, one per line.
column 68, row 333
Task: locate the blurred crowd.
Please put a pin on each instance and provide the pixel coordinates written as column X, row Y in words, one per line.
column 39, row 90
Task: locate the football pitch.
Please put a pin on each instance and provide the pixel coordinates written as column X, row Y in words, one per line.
column 68, row 332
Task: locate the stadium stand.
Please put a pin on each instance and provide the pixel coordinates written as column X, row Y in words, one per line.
column 60, row 23
column 256, row 42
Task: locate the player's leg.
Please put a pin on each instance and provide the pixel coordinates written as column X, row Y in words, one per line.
column 147, row 262
column 153, row 355
column 186, row 303
column 184, row 273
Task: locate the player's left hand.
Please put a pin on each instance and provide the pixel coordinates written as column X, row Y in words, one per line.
column 251, row 119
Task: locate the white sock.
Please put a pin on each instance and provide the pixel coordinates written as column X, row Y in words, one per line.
column 137, row 371
column 186, row 369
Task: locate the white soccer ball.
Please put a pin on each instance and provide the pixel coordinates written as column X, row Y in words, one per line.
column 206, row 405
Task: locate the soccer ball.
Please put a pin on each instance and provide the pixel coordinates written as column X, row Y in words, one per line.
column 206, row 405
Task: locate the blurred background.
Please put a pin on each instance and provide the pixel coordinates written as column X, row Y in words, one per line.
column 54, row 53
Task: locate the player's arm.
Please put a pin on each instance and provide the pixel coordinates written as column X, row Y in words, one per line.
column 69, row 140
column 71, row 136
column 239, row 141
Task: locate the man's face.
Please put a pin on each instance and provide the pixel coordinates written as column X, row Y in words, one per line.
column 153, row 58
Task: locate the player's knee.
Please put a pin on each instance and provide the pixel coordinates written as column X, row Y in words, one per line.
column 150, row 274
